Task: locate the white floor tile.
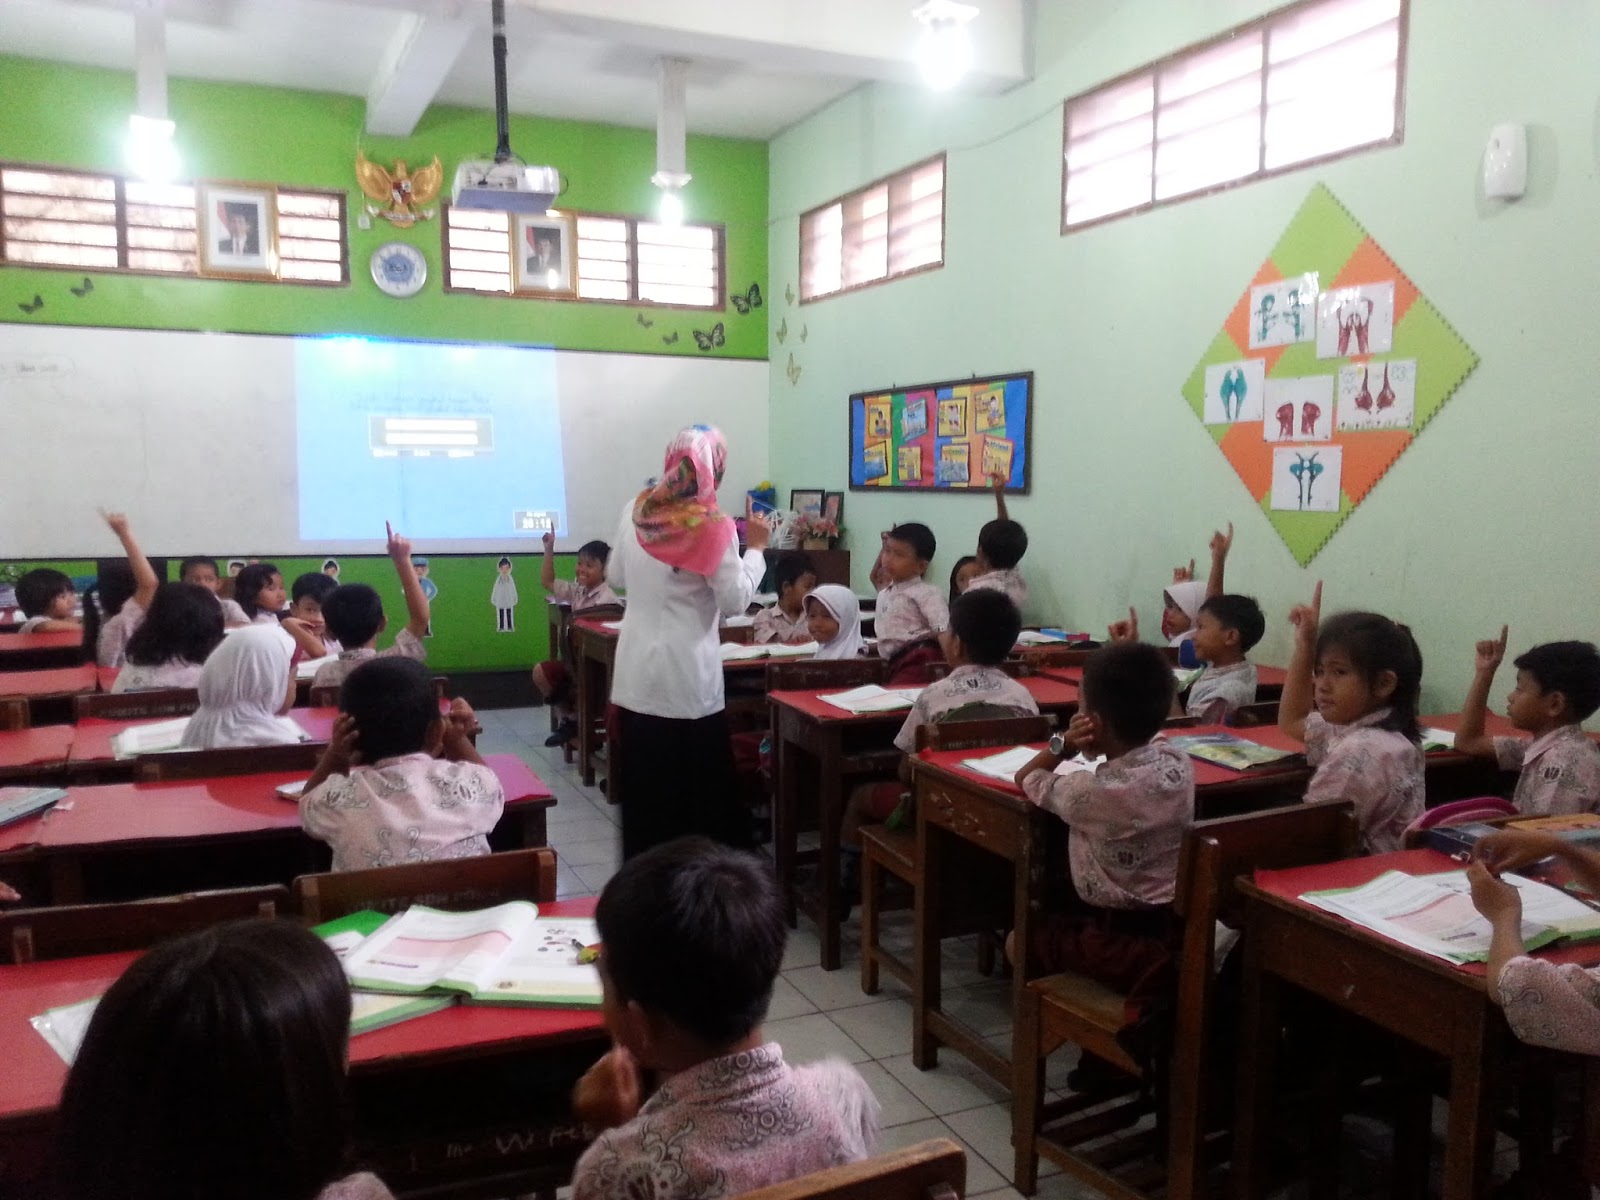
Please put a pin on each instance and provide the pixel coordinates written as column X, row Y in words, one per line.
column 787, row 1002
column 883, row 1029
column 830, row 990
column 983, row 1007
column 953, row 1086
column 988, row 1130
column 802, row 950
column 898, row 1106
column 813, row 1037
column 596, row 875
column 981, row 1177
column 569, row 886
column 601, row 851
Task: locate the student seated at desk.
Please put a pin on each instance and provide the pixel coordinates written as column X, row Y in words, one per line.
column 400, row 783
column 304, row 622
column 833, row 622
column 1127, row 819
column 1362, row 740
column 588, row 590
column 962, row 574
column 245, row 686
column 170, row 648
column 1558, row 688
column 785, row 621
column 259, row 592
column 1001, row 545
column 911, row 612
column 353, row 613
column 114, row 607
column 693, row 936
column 1182, row 598
column 48, row 601
column 215, row 1066
column 201, row 569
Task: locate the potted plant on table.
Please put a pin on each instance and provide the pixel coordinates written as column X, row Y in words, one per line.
column 817, row 532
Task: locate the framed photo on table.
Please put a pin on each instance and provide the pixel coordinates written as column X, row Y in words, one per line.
column 236, row 228
column 807, row 502
column 833, row 507
column 542, row 255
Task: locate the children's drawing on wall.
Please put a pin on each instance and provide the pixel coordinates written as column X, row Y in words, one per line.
column 914, row 417
column 1283, row 313
column 1298, row 409
column 878, row 417
column 235, row 565
column 1378, row 395
column 1307, row 478
column 1235, row 390
column 875, row 460
column 504, row 597
column 430, row 589
column 953, row 416
column 989, row 405
column 910, row 463
column 330, row 568
column 997, row 453
column 955, row 463
column 1356, row 321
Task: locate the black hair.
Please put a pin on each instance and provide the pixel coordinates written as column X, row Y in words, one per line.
column 1003, row 543
column 247, row 585
column 104, row 598
column 987, row 622
column 1129, row 686
column 596, row 550
column 1571, row 668
column 504, row 561
column 1376, row 644
column 330, row 562
column 184, row 623
column 955, row 572
column 791, row 567
column 198, row 560
column 393, row 702
column 353, row 613
column 37, row 590
column 314, row 584
column 694, row 931
column 213, row 1067
column 918, row 536
column 1240, row 613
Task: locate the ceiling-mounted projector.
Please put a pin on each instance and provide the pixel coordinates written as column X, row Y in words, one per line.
column 505, row 186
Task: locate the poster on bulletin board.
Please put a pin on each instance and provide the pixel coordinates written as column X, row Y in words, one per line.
column 942, row 436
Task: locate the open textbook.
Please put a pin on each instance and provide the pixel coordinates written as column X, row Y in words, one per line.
column 1226, row 750
column 1434, row 913
column 739, row 651
column 871, row 698
column 1007, row 763
column 168, row 735
column 508, row 954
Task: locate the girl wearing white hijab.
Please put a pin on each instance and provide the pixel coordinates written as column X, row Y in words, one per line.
column 833, row 616
column 245, row 687
column 1181, row 610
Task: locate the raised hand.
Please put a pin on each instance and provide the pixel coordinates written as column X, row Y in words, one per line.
column 399, row 547
column 1307, row 618
column 1492, row 652
column 549, row 540
column 1221, row 543
column 757, row 532
column 1124, row 631
column 117, row 521
column 997, row 482
column 1182, row 574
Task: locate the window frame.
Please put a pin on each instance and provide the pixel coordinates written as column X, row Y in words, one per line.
column 719, row 232
column 120, row 224
column 887, row 182
column 1154, row 71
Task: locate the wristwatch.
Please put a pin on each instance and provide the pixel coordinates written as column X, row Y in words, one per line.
column 1058, row 745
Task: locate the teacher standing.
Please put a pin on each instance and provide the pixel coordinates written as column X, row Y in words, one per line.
column 678, row 557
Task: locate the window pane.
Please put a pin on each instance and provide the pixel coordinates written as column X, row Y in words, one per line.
column 305, row 248
column 308, row 227
column 58, row 209
column 498, row 262
column 51, row 183
column 474, row 218
column 160, row 217
column 162, row 260
column 663, row 293
column 61, row 255
column 604, row 269
column 152, row 238
column 480, row 281
column 165, row 195
column 328, row 272
column 24, row 230
column 479, row 239
column 602, row 289
column 303, row 204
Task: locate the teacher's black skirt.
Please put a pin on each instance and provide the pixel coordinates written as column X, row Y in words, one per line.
column 676, row 778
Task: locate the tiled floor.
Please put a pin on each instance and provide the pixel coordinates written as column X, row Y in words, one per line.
column 816, row 1013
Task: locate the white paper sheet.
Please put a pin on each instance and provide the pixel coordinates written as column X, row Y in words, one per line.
column 1378, row 395
column 1307, row 478
column 872, row 698
column 1283, row 313
column 1299, row 409
column 1356, row 321
column 1235, row 391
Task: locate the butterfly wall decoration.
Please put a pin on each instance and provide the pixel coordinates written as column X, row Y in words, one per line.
column 782, row 331
column 84, row 288
column 804, row 333
column 643, row 321
column 669, row 339
column 788, row 292
column 751, row 299
column 711, row 339
column 793, row 371
column 32, row 306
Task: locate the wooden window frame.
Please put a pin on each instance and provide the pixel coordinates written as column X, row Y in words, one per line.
column 1154, row 70
column 942, row 158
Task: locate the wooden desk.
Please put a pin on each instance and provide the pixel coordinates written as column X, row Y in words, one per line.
column 221, row 832
column 40, row 651
column 816, row 741
column 27, row 754
column 1430, row 1003
column 50, row 693
column 1269, row 680
column 594, row 652
column 471, row 1094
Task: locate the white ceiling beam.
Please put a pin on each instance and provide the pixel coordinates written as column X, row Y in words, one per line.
column 418, row 59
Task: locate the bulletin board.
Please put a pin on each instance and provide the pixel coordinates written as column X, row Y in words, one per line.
column 946, row 437
column 1329, row 366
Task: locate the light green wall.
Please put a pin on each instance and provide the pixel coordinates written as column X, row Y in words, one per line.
column 1490, row 517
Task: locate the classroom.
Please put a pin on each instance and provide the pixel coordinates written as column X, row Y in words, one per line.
column 513, row 486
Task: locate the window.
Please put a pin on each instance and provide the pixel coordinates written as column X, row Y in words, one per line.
column 625, row 260
column 1304, row 84
column 54, row 218
column 889, row 228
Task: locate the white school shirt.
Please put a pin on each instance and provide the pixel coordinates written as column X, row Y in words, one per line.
column 667, row 663
column 174, row 673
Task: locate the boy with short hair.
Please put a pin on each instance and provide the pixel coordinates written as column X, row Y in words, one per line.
column 202, row 569
column 692, row 937
column 1128, row 817
column 1001, row 545
column 353, row 614
column 785, row 621
column 1558, row 688
column 910, row 609
column 305, row 623
column 1229, row 626
column 588, row 590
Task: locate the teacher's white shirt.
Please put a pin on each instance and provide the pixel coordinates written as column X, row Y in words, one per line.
column 668, row 664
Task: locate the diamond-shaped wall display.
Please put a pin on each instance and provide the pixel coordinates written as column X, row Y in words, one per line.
column 1328, row 367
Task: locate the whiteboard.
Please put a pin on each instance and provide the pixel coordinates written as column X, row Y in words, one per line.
column 194, row 436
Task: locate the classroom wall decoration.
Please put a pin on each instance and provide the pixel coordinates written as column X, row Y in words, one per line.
column 1327, row 368
column 942, row 436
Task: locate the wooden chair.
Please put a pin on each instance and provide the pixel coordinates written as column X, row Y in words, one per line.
column 453, row 884
column 1070, row 1007
column 972, row 727
column 931, row 1170
column 810, row 675
column 133, row 706
column 42, row 934
column 14, row 713
column 741, row 635
column 1262, row 712
column 234, row 760
column 1073, row 654
column 1017, row 668
column 327, row 696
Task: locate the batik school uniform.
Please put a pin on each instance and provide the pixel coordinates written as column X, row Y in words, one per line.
column 1127, row 819
column 174, row 673
column 1377, row 769
column 332, row 674
column 1554, row 1005
column 1007, row 581
column 577, row 599
column 1219, row 692
column 361, row 1186
column 111, row 650
column 732, row 1125
column 908, row 612
column 411, row 808
column 772, row 624
column 1560, row 771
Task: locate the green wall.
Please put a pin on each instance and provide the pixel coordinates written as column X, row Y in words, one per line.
column 1491, row 516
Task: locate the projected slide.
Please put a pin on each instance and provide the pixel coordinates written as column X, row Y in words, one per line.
column 444, row 441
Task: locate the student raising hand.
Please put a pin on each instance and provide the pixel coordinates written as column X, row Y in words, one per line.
column 1307, row 617
column 1124, row 631
column 1492, row 652
column 1221, row 543
column 1294, row 706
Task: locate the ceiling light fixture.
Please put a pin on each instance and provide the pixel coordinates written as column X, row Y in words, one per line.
column 672, row 171
column 945, row 51
column 150, row 152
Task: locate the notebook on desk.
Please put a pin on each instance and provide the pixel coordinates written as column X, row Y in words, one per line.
column 161, row 736
column 20, row 803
